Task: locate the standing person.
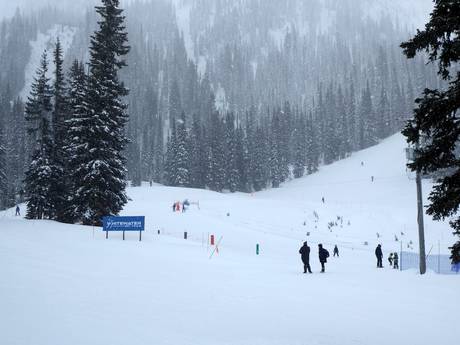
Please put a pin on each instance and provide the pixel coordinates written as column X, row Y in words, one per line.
column 379, row 255
column 18, row 211
column 305, row 255
column 336, row 251
column 323, row 255
column 322, row 199
column 395, row 261
column 174, row 207
column 390, row 259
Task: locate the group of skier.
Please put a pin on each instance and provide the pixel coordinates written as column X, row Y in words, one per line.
column 178, row 206
column 323, row 254
column 393, row 259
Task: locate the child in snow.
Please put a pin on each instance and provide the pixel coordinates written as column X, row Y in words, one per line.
column 336, row 251
column 390, row 259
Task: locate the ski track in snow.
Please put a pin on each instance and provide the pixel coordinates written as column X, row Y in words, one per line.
column 67, row 284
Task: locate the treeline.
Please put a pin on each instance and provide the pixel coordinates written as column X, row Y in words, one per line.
column 249, row 152
column 348, row 89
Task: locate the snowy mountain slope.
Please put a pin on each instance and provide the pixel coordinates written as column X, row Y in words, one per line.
column 67, row 283
column 46, row 41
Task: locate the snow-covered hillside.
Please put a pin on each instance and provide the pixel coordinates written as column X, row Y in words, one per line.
column 67, row 284
column 46, row 42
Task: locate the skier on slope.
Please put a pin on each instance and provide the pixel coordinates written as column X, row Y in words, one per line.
column 323, row 255
column 305, row 255
column 395, row 261
column 390, row 259
column 336, row 251
column 18, row 211
column 379, row 255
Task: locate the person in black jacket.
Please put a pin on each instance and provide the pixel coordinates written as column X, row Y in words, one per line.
column 305, row 254
column 323, row 255
column 379, row 255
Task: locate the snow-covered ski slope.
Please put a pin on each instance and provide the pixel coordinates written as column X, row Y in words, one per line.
column 62, row 284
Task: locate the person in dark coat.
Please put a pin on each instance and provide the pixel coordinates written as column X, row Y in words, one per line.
column 18, row 211
column 379, row 255
column 323, row 255
column 336, row 251
column 305, row 255
column 395, row 261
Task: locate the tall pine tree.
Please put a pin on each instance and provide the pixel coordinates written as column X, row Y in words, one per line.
column 436, row 123
column 102, row 182
column 40, row 177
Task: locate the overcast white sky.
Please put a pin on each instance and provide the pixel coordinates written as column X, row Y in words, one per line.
column 8, row 7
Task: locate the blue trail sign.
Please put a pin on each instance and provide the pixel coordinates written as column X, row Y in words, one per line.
column 123, row 224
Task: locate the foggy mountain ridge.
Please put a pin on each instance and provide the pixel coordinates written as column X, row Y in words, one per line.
column 334, row 64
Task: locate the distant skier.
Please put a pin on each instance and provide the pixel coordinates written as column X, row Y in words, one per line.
column 323, row 255
column 395, row 261
column 18, row 211
column 305, row 255
column 174, row 207
column 390, row 259
column 336, row 251
column 379, row 255
column 372, row 178
column 322, row 199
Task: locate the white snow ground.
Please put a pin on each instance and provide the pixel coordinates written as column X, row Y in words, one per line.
column 62, row 284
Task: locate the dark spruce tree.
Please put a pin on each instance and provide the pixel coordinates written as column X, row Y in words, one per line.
column 102, row 180
column 3, row 181
column 59, row 117
column 436, row 123
column 41, row 175
column 170, row 159
column 76, row 138
column 182, row 155
column 231, row 168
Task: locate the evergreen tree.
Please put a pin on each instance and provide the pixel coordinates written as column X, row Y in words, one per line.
column 41, row 175
column 75, row 148
column 231, row 168
column 216, row 174
column 300, row 154
column 3, row 180
column 242, row 161
column 103, row 181
column 59, row 117
column 436, row 125
column 367, row 130
column 182, row 156
column 276, row 153
column 158, row 154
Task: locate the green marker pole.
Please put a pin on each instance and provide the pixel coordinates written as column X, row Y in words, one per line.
column 257, row 249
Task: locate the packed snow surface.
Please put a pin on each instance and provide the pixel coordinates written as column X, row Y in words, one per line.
column 63, row 284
